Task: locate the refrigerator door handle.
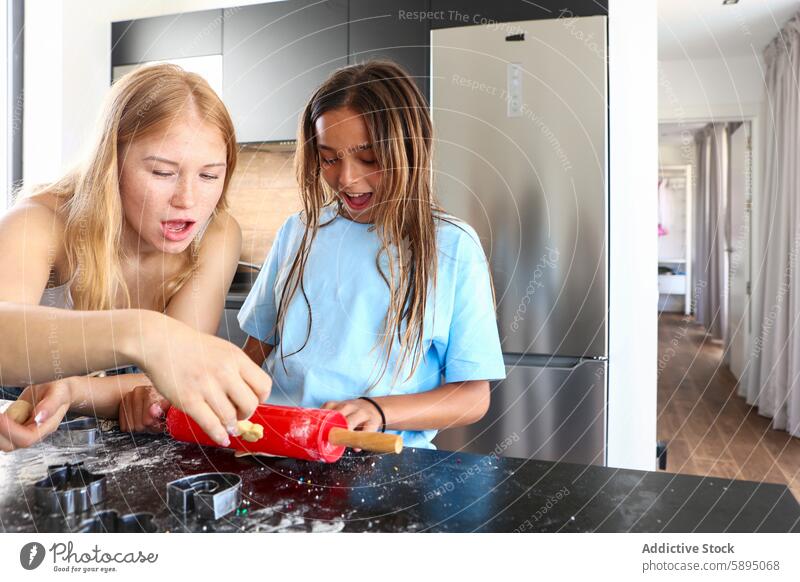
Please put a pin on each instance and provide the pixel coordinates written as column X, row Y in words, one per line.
column 550, row 362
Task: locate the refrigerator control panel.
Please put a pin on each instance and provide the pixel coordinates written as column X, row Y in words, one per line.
column 514, row 90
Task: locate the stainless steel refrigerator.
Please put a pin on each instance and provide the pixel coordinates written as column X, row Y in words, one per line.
column 520, row 114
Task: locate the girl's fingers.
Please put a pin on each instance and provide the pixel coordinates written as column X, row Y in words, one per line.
column 157, row 412
column 43, row 411
column 49, row 425
column 243, row 400
column 257, row 379
column 208, row 420
column 151, row 410
column 158, row 409
column 356, row 418
column 138, row 406
column 371, row 425
column 126, row 423
column 19, row 436
column 127, row 411
column 346, row 408
column 48, row 407
column 223, row 405
column 123, row 426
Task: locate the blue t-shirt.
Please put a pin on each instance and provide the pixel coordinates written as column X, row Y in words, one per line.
column 349, row 300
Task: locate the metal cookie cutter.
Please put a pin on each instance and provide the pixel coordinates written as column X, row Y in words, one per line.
column 82, row 431
column 69, row 489
column 207, row 495
column 109, row 521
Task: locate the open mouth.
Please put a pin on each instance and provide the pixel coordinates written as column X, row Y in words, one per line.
column 177, row 230
column 357, row 200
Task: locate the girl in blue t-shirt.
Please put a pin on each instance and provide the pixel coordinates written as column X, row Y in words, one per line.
column 373, row 301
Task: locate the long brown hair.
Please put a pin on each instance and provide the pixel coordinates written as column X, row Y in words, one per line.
column 400, row 129
column 142, row 102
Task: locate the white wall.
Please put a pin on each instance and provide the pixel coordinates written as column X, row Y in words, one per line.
column 633, row 298
column 67, row 72
column 705, row 89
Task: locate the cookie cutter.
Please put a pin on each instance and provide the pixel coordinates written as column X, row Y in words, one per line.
column 82, row 431
column 110, row 521
column 207, row 495
column 69, row 489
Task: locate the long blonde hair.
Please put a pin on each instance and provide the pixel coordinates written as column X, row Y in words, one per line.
column 400, row 129
column 140, row 103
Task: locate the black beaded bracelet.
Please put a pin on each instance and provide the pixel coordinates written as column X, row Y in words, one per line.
column 380, row 410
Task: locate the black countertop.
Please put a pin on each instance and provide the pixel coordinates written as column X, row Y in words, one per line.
column 418, row 490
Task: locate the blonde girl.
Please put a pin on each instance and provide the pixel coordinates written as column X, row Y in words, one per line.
column 126, row 260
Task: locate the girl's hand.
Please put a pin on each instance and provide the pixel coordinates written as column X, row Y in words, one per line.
column 50, row 403
column 143, row 409
column 360, row 414
column 206, row 377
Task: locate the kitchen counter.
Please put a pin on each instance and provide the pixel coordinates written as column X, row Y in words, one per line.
column 418, row 490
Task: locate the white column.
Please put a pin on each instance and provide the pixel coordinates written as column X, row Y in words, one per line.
column 633, row 244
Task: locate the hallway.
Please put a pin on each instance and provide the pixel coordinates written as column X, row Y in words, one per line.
column 711, row 430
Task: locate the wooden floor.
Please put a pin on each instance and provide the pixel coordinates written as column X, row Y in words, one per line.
column 709, row 429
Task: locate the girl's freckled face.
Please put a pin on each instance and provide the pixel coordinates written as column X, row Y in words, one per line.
column 348, row 163
column 170, row 182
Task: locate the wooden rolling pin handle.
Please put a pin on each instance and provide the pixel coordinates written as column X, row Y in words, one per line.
column 377, row 442
column 19, row 411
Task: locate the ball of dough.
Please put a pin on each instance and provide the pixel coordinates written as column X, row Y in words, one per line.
column 249, row 431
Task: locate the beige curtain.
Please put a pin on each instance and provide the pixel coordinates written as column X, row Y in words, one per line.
column 774, row 381
column 712, row 229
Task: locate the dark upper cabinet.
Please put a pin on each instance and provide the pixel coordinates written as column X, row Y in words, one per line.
column 392, row 30
column 452, row 13
column 274, row 56
column 190, row 34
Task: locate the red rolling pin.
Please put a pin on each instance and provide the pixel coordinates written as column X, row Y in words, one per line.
column 313, row 434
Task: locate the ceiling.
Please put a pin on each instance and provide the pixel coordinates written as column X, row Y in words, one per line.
column 701, row 29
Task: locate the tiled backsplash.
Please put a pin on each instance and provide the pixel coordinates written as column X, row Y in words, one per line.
column 262, row 194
